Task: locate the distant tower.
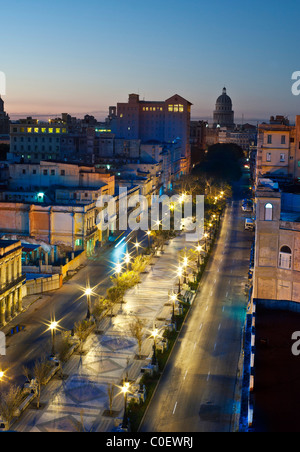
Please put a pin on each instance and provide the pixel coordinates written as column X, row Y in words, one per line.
column 223, row 114
column 4, row 119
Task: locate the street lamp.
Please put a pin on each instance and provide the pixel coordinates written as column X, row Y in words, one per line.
column 149, row 233
column 199, row 249
column 137, row 246
column 173, row 299
column 127, row 260
column 154, row 335
column 125, row 390
column 205, row 237
column 118, row 269
column 185, row 264
column 179, row 274
column 88, row 292
column 53, row 326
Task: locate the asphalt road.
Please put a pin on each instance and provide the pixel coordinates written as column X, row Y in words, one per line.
column 197, row 392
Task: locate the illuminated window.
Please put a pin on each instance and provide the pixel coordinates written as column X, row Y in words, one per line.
column 121, row 115
column 176, row 108
column 36, row 130
column 22, row 130
column 181, row 108
column 44, row 130
column 29, row 130
column 50, row 130
column 171, row 107
column 57, row 130
column 268, row 212
column 64, row 130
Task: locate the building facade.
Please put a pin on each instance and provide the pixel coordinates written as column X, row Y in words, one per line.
column 277, row 246
column 278, row 150
column 165, row 122
column 11, row 280
column 32, row 141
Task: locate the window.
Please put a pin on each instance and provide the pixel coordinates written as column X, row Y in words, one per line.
column 282, row 139
column 268, row 212
column 268, row 156
column 282, row 157
column 62, row 173
column 285, row 258
column 269, row 139
column 45, row 172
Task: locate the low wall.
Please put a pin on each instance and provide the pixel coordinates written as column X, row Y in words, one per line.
column 41, row 285
column 73, row 264
column 63, row 270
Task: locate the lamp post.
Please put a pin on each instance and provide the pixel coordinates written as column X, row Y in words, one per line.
column 199, row 249
column 53, row 327
column 185, row 264
column 125, row 390
column 127, row 260
column 88, row 293
column 118, row 269
column 205, row 238
column 173, row 299
column 179, row 273
column 154, row 335
column 149, row 239
column 137, row 246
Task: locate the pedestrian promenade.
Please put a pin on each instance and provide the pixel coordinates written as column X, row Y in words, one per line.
column 79, row 401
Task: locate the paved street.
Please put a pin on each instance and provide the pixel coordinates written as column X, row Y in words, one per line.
column 197, row 392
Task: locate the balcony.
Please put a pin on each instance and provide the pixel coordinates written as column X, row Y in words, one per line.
column 5, row 287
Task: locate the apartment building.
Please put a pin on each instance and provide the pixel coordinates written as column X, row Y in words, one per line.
column 11, row 279
column 163, row 121
column 32, row 140
column 278, row 150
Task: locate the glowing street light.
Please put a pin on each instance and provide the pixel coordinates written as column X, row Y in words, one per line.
column 137, row 246
column 127, row 260
column 125, row 390
column 173, row 299
column 88, row 292
column 149, row 233
column 179, row 274
column 118, row 269
column 53, row 327
column 154, row 334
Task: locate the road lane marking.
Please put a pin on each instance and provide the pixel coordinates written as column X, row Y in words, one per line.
column 208, row 375
column 226, row 294
column 200, row 328
column 175, row 408
column 219, row 327
column 185, row 375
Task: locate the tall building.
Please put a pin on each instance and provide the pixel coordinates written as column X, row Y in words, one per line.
column 162, row 121
column 33, row 141
column 223, row 114
column 4, row 119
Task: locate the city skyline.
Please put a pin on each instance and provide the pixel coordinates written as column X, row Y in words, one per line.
column 98, row 55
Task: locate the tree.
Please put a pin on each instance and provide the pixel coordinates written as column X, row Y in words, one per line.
column 82, row 331
column 222, row 162
column 136, row 328
column 140, row 264
column 9, row 403
column 41, row 371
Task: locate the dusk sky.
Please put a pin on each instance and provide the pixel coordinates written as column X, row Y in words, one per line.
column 81, row 57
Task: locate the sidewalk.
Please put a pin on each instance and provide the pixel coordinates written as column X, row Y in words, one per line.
column 79, row 402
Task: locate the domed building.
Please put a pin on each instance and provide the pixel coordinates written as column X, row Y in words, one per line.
column 223, row 114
